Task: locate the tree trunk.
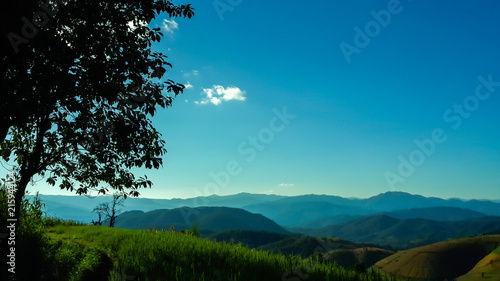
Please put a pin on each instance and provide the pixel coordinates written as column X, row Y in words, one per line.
column 31, row 165
column 21, row 190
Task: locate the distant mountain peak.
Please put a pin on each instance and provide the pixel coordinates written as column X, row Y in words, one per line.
column 208, row 219
column 396, row 193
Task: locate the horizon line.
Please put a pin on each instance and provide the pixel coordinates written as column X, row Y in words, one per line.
column 272, row 194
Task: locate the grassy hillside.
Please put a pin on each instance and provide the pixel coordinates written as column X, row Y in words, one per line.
column 306, row 246
column 333, row 250
column 446, row 260
column 345, row 253
column 248, row 238
column 487, row 268
column 152, row 255
column 349, row 258
column 51, row 250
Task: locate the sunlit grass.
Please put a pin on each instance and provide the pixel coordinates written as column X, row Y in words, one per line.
column 151, row 255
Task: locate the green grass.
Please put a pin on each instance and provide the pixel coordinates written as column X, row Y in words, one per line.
column 497, row 251
column 51, row 249
column 249, row 238
column 151, row 255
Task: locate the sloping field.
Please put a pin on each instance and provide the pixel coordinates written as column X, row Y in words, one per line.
column 439, row 261
column 486, row 269
column 370, row 256
column 172, row 255
column 348, row 258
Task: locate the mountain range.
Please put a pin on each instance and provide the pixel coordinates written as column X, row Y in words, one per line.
column 406, row 233
column 291, row 211
column 309, row 208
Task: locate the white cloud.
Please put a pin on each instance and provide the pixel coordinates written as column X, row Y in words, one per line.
column 188, row 85
column 286, row 184
column 217, row 94
column 169, row 25
column 191, row 73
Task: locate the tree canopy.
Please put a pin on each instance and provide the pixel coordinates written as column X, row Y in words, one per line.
column 80, row 85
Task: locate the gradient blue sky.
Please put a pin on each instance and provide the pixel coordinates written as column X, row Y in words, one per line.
column 353, row 120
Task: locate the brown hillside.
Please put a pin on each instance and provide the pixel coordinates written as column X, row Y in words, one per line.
column 487, row 269
column 348, row 258
column 440, row 261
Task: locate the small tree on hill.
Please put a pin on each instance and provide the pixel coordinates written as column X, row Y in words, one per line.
column 98, row 222
column 108, row 210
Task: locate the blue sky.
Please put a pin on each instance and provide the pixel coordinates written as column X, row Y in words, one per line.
column 331, row 97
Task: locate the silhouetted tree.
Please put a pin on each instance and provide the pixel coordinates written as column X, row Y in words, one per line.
column 99, row 221
column 109, row 210
column 79, row 89
column 31, row 45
